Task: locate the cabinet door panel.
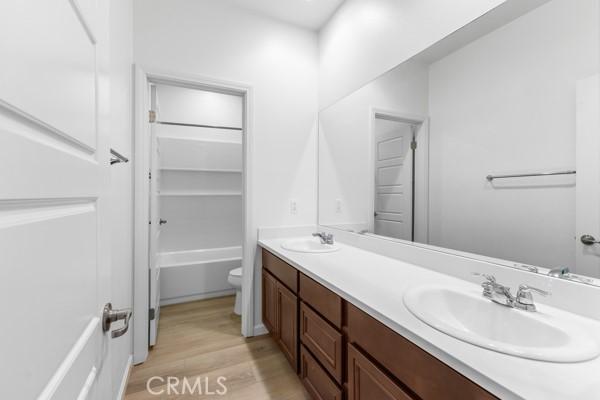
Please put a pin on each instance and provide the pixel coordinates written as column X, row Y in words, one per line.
column 367, row 382
column 269, row 302
column 287, row 323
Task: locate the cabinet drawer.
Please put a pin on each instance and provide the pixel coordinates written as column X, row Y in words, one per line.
column 367, row 382
column 323, row 340
column 287, row 274
column 424, row 374
column 327, row 303
column 316, row 381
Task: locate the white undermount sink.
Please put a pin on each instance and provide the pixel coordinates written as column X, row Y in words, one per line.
column 309, row 245
column 470, row 317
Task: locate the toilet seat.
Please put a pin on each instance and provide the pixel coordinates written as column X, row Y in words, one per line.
column 235, row 277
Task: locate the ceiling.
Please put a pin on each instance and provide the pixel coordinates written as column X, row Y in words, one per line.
column 310, row 14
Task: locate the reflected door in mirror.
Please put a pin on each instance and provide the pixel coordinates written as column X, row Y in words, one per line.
column 393, row 178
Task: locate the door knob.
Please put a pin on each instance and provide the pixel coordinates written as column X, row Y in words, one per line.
column 109, row 316
column 589, row 240
column 162, row 221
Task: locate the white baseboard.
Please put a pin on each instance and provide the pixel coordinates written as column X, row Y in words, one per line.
column 203, row 296
column 125, row 379
column 260, row 329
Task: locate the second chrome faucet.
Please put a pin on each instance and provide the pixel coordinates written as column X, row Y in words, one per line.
column 502, row 295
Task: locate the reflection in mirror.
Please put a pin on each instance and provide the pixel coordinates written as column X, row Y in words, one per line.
column 486, row 144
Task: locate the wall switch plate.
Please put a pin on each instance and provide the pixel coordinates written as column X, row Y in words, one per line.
column 338, row 206
column 293, row 207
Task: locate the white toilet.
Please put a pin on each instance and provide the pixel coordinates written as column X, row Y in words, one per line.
column 235, row 280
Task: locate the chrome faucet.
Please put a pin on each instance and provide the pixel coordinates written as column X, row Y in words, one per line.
column 561, row 272
column 501, row 294
column 326, row 238
column 565, row 273
column 524, row 300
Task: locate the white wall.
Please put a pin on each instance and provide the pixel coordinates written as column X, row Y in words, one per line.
column 366, row 38
column 506, row 103
column 345, row 142
column 121, row 202
column 205, row 37
column 200, row 107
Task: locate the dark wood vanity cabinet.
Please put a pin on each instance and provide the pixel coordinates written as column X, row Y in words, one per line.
column 341, row 352
column 280, row 305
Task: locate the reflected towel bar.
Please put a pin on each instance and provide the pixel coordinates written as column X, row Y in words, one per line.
column 117, row 157
column 492, row 177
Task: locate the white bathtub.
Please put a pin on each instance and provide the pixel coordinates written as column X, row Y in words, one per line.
column 197, row 274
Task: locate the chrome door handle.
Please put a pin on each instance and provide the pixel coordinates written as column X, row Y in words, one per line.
column 589, row 240
column 162, row 221
column 109, row 316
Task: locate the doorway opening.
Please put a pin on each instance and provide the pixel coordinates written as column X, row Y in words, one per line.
column 195, row 196
column 192, row 200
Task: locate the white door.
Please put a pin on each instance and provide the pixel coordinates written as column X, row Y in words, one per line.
column 54, row 160
column 588, row 176
column 393, row 178
column 155, row 223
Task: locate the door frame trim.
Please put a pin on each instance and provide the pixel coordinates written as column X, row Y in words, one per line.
column 421, row 173
column 142, row 78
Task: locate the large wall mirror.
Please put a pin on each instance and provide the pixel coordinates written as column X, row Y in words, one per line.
column 487, row 143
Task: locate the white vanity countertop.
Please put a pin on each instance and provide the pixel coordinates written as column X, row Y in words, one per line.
column 376, row 284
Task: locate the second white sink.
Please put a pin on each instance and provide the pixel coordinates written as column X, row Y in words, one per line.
column 474, row 319
column 309, row 245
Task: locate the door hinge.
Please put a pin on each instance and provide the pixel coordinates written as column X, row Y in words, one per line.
column 413, row 145
column 151, row 314
column 151, row 116
column 150, row 175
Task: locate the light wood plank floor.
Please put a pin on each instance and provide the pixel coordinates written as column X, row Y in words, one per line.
column 202, row 339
